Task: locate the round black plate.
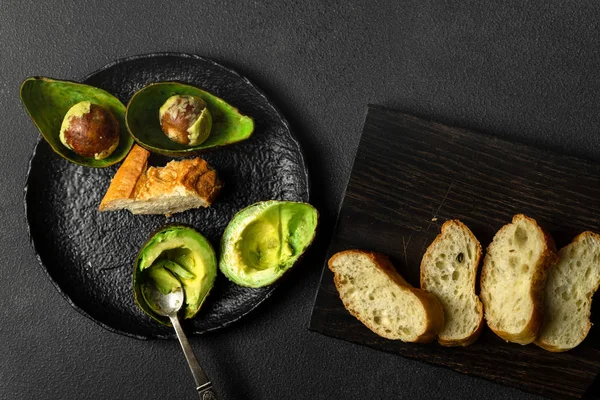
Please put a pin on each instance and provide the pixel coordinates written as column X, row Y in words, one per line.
column 89, row 255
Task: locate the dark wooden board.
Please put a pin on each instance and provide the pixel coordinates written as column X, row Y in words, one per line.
column 411, row 175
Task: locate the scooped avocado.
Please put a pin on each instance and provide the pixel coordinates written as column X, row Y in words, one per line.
column 264, row 240
column 48, row 101
column 176, row 256
column 220, row 124
column 176, row 269
column 163, row 279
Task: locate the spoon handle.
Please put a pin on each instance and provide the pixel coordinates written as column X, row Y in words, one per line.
column 203, row 384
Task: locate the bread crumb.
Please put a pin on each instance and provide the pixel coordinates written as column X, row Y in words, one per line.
column 433, row 219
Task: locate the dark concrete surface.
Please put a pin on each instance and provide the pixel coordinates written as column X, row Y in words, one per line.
column 522, row 70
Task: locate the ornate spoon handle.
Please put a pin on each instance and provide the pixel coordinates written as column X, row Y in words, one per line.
column 203, row 384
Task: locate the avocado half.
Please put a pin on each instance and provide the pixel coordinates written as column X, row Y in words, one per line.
column 175, row 257
column 264, row 240
column 143, row 122
column 48, row 100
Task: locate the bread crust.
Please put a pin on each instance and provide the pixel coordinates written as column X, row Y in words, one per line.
column 431, row 305
column 194, row 175
column 555, row 349
column 123, row 184
column 135, row 181
column 475, row 334
column 538, row 285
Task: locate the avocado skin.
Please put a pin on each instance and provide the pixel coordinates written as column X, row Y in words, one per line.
column 166, row 243
column 47, row 101
column 265, row 240
column 228, row 125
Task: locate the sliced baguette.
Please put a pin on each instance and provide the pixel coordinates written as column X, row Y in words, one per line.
column 571, row 284
column 176, row 187
column 513, row 279
column 449, row 271
column 382, row 300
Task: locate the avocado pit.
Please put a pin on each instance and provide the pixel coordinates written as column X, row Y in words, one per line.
column 185, row 119
column 90, row 130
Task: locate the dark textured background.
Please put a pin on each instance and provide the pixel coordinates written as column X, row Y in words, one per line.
column 522, row 70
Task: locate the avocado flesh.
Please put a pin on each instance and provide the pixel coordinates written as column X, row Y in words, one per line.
column 185, row 255
column 175, row 268
column 48, row 100
column 265, row 240
column 164, row 281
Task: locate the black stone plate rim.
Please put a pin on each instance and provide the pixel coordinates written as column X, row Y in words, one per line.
column 262, row 93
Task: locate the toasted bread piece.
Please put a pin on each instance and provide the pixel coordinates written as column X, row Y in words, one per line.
column 571, row 284
column 122, row 185
column 382, row 300
column 513, row 279
column 176, row 187
column 449, row 271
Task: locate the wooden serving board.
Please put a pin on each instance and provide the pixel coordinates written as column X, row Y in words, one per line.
column 411, row 175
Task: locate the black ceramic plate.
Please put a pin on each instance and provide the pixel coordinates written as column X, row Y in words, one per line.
column 89, row 255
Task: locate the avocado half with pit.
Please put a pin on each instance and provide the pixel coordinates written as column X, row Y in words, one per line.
column 143, row 121
column 175, row 257
column 264, row 240
column 47, row 101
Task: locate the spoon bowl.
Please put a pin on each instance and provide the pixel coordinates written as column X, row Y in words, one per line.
column 166, row 305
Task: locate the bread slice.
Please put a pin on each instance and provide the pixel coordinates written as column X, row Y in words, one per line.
column 380, row 298
column 176, row 187
column 571, row 284
column 449, row 271
column 513, row 279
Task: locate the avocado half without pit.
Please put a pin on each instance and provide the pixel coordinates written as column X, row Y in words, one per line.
column 265, row 240
column 176, row 119
column 83, row 124
column 176, row 257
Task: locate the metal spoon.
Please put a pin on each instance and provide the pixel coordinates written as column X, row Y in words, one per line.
column 169, row 305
